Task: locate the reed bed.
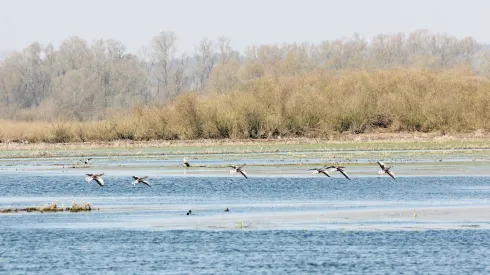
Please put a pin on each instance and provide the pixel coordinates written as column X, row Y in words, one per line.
column 52, row 207
column 322, row 105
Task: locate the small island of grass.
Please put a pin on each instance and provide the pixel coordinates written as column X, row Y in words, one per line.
column 52, row 207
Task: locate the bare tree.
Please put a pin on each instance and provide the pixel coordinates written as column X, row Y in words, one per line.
column 81, row 80
column 225, row 51
column 164, row 48
column 205, row 59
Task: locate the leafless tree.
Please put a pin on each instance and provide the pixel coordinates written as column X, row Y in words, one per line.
column 205, row 59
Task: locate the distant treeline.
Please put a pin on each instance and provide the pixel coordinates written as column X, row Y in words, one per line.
column 416, row 82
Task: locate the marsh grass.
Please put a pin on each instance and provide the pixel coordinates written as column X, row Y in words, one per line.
column 164, row 149
column 52, row 207
column 323, row 105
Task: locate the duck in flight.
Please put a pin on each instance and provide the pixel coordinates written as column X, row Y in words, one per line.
column 385, row 170
column 142, row 180
column 340, row 169
column 96, row 177
column 323, row 170
column 238, row 169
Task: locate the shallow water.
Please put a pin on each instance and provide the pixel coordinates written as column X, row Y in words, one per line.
column 276, row 225
column 41, row 251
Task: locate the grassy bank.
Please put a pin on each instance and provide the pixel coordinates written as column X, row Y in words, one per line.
column 162, row 149
column 319, row 105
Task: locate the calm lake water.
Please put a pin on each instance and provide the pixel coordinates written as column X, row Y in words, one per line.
column 141, row 230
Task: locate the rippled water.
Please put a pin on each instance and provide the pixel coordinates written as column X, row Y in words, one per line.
column 140, row 230
column 237, row 252
column 236, row 189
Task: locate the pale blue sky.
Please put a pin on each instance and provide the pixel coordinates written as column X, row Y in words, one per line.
column 135, row 22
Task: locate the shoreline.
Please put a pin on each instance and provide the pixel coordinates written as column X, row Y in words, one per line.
column 388, row 140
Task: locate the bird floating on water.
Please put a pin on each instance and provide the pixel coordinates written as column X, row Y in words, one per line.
column 385, row 170
column 189, row 212
column 323, row 170
column 186, row 163
column 339, row 169
column 96, row 177
column 142, row 180
column 87, row 161
column 238, row 169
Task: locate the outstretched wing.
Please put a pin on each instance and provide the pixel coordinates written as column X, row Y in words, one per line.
column 244, row 174
column 391, row 174
column 382, row 165
column 147, row 183
column 135, row 178
column 326, row 174
column 99, row 180
column 344, row 173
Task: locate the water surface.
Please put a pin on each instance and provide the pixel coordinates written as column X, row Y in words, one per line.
column 276, row 225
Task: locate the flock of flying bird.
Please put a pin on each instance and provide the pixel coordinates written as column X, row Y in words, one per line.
column 239, row 169
column 324, row 170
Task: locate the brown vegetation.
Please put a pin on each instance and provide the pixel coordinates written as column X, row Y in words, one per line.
column 315, row 105
column 420, row 82
column 53, row 207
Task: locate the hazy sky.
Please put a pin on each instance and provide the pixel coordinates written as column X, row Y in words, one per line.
column 135, row 22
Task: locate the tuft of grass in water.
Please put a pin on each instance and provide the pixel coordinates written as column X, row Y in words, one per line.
column 52, row 207
column 79, row 207
column 240, row 224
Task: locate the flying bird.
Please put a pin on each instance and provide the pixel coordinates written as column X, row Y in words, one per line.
column 322, row 170
column 385, row 170
column 96, row 177
column 238, row 169
column 142, row 180
column 340, row 169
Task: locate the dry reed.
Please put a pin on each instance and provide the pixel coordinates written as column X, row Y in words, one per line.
column 319, row 105
column 52, row 207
